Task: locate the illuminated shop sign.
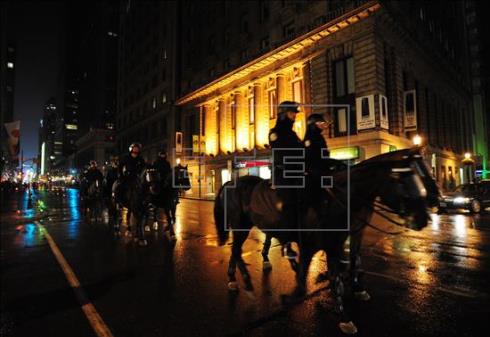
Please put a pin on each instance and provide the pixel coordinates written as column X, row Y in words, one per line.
column 345, row 153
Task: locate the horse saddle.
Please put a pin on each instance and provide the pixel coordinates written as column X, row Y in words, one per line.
column 265, row 201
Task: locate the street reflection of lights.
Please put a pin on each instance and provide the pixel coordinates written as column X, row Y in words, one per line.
column 460, row 225
column 435, row 221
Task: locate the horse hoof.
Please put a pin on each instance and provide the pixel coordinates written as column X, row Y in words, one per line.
column 266, row 266
column 250, row 294
column 147, row 228
column 362, row 296
column 117, row 233
column 348, row 327
column 128, row 234
column 233, row 286
column 143, row 243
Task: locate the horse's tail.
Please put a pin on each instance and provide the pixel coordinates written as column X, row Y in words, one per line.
column 219, row 217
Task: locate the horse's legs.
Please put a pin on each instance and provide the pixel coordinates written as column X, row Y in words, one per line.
column 265, row 252
column 170, row 222
column 118, row 219
column 355, row 267
column 156, row 215
column 127, row 218
column 141, row 218
column 239, row 238
column 337, row 286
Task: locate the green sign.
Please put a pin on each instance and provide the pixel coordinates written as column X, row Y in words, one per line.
column 345, row 153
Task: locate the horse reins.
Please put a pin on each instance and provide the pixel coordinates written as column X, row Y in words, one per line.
column 329, row 191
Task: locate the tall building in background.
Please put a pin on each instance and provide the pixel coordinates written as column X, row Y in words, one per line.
column 91, row 76
column 7, row 83
column 383, row 71
column 147, row 76
column 50, row 139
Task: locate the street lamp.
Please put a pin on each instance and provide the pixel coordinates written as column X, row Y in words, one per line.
column 417, row 140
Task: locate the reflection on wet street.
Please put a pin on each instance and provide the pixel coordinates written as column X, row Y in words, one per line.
column 428, row 283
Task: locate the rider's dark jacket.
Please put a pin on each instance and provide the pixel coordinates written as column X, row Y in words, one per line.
column 130, row 167
column 316, row 152
column 92, row 175
column 110, row 179
column 284, row 142
column 163, row 168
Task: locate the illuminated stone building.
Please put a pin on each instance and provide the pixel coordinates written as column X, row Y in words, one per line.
column 383, row 72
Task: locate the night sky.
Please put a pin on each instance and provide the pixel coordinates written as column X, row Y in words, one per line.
column 36, row 28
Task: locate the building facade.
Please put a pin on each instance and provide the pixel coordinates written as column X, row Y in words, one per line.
column 7, row 84
column 97, row 144
column 50, row 139
column 383, row 72
column 90, row 74
column 147, row 75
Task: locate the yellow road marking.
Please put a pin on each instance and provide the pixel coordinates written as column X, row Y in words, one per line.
column 97, row 323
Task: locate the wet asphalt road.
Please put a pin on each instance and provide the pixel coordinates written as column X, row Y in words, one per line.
column 429, row 283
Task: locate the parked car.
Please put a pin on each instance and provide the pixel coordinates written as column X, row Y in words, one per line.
column 472, row 197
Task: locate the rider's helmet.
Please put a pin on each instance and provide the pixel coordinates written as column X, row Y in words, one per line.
column 287, row 106
column 133, row 146
column 316, row 121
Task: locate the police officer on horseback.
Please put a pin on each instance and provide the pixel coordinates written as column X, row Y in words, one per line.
column 317, row 161
column 110, row 178
column 288, row 163
column 162, row 166
column 132, row 164
column 93, row 174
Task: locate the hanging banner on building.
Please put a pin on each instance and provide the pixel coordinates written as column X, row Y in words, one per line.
column 410, row 110
column 383, row 112
column 365, row 112
column 12, row 131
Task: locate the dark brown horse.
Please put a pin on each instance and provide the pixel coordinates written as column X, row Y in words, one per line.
column 394, row 178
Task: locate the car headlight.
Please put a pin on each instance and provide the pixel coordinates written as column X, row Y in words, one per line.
column 461, row 200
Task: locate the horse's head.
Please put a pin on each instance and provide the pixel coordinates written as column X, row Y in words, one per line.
column 408, row 188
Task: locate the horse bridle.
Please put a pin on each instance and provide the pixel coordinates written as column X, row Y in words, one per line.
column 366, row 204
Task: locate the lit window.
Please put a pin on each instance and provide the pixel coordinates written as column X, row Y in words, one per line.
column 10, row 65
column 165, row 54
column 164, row 98
column 342, row 120
column 154, row 103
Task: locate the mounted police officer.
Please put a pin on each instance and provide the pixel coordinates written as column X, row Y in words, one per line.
column 162, row 166
column 110, row 178
column 131, row 165
column 317, row 160
column 287, row 172
column 93, row 174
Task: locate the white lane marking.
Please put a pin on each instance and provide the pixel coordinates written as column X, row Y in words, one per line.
column 95, row 320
